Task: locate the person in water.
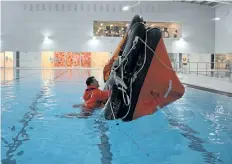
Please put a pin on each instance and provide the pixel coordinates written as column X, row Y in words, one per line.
column 93, row 96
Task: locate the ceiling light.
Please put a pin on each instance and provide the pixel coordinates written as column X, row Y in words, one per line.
column 101, row 24
column 125, row 8
column 47, row 40
column 122, row 28
column 111, row 25
column 216, row 19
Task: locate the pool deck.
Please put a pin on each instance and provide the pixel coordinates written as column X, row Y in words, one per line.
column 209, row 84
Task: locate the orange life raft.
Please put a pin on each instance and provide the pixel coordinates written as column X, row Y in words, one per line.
column 143, row 78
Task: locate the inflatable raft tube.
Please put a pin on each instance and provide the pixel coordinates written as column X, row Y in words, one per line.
column 120, row 48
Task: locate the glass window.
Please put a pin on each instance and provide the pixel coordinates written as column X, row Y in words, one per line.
column 119, row 28
column 110, row 28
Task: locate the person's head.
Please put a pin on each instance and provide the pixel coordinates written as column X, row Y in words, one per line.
column 92, row 81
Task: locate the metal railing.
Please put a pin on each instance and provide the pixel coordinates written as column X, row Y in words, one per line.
column 222, row 70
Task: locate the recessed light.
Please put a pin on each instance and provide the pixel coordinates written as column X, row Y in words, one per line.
column 216, row 19
column 101, row 24
column 46, row 38
column 125, row 8
column 181, row 39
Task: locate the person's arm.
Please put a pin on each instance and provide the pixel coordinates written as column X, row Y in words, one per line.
column 104, row 95
column 97, row 96
column 87, row 95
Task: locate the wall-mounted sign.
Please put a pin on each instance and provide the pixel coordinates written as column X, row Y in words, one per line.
column 185, row 59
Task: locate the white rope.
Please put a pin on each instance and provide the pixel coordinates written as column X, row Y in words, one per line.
column 129, row 101
column 133, row 47
column 125, row 57
column 145, row 56
column 112, row 111
column 136, row 73
column 124, row 91
column 157, row 56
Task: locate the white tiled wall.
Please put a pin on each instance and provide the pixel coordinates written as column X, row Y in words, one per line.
column 30, row 59
column 223, row 29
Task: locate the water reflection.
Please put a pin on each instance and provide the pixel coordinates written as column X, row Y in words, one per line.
column 220, row 122
column 104, row 146
column 6, row 75
column 22, row 135
column 196, row 143
column 17, row 74
column 71, row 74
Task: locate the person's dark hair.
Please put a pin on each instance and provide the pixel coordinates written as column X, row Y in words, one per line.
column 89, row 80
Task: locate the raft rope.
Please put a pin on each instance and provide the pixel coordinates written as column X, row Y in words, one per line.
column 135, row 74
column 121, row 62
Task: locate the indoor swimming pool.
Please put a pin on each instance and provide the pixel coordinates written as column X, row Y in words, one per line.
column 196, row 129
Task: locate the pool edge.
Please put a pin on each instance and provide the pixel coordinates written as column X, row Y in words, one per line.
column 208, row 90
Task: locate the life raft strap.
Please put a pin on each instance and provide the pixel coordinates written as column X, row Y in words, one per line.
column 169, row 89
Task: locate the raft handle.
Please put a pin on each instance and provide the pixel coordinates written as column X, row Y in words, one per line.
column 136, row 40
column 118, row 80
column 169, row 89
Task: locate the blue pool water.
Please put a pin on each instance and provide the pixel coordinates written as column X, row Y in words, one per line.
column 196, row 129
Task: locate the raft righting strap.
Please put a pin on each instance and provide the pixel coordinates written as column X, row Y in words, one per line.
column 118, row 81
column 169, row 89
column 134, row 77
column 135, row 40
